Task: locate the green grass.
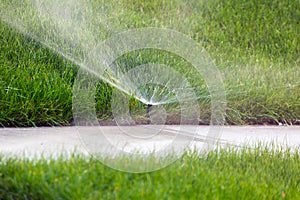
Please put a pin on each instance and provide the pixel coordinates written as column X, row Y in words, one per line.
column 255, row 44
column 257, row 173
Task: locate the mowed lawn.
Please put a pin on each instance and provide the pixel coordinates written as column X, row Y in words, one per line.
column 258, row 173
column 255, row 44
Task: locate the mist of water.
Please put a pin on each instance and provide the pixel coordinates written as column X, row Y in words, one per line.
column 75, row 29
column 94, row 35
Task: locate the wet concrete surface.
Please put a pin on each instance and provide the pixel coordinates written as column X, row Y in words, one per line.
column 53, row 141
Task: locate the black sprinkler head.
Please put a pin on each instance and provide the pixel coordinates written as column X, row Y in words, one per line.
column 149, row 108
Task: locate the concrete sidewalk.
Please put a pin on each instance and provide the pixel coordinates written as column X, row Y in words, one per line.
column 52, row 141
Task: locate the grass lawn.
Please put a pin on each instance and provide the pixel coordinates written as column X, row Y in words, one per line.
column 255, row 44
column 227, row 174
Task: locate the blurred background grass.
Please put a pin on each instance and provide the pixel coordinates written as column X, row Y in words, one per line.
column 255, row 44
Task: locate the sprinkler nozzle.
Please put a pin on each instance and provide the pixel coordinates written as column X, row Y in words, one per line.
column 148, row 109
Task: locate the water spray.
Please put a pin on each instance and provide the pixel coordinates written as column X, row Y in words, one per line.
column 79, row 33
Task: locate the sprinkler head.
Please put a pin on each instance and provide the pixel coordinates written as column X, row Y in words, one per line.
column 149, row 106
